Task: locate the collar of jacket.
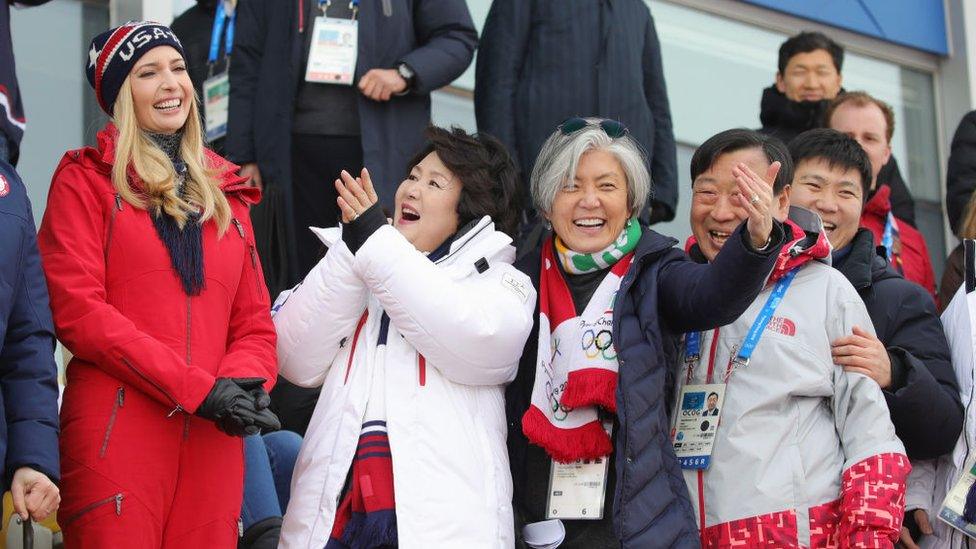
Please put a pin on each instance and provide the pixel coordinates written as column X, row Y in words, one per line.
column 230, row 182
column 862, row 264
column 481, row 240
column 879, row 204
column 776, row 110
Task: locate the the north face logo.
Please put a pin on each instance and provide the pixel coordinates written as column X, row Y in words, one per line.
column 782, row 325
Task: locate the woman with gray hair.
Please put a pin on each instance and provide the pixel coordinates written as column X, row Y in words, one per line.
column 588, row 438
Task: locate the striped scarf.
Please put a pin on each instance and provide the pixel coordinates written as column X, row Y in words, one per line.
column 576, row 368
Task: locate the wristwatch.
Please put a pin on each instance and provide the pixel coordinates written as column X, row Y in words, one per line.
column 406, row 73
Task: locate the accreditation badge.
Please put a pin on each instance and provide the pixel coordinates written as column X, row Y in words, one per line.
column 216, row 101
column 332, row 54
column 577, row 490
column 696, row 422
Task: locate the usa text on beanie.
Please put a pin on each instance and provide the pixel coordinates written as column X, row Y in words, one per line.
column 114, row 52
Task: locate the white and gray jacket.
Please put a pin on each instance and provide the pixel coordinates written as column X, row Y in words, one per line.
column 800, row 439
column 456, row 330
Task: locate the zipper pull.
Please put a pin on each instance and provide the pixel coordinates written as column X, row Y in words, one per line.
column 121, row 397
column 254, row 258
column 118, row 504
column 118, row 202
column 240, row 228
column 179, row 408
column 240, row 527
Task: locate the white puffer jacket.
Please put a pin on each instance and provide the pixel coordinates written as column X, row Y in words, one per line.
column 456, row 330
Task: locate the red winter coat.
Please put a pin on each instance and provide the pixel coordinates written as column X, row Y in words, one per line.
column 910, row 255
column 146, row 354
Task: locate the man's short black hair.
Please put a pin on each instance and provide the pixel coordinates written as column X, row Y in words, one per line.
column 710, row 395
column 739, row 139
column 806, row 42
column 488, row 176
column 838, row 150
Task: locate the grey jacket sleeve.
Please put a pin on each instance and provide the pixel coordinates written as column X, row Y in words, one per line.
column 860, row 413
column 447, row 39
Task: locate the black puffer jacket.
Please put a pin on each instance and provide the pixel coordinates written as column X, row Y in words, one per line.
column 786, row 119
column 924, row 396
column 961, row 176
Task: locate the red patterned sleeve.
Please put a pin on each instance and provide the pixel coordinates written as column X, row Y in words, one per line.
column 873, row 500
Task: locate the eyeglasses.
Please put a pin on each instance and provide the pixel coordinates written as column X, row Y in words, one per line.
column 612, row 128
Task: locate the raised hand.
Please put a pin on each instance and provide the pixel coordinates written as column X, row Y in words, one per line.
column 756, row 197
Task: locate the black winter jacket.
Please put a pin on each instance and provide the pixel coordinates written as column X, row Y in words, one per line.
column 924, row 396
column 786, row 119
column 542, row 61
column 662, row 296
column 961, row 176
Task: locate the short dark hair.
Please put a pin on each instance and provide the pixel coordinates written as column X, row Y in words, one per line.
column 739, row 139
column 710, row 395
column 838, row 150
column 488, row 176
column 806, row 42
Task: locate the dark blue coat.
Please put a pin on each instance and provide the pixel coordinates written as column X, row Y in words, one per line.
column 28, row 374
column 662, row 296
column 542, row 61
column 436, row 38
column 924, row 396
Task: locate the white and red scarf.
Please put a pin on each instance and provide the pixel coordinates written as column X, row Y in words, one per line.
column 576, row 367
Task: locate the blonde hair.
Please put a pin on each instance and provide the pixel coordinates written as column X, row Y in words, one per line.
column 968, row 227
column 135, row 151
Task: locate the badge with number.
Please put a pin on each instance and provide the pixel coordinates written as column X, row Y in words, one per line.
column 696, row 422
column 332, row 55
column 216, row 101
column 577, row 490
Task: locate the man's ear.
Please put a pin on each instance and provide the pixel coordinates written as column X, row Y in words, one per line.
column 782, row 204
column 780, row 84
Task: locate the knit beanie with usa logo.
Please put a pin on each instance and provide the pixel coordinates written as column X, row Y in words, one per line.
column 114, row 52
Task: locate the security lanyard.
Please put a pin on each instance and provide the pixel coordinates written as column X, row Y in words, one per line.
column 887, row 237
column 218, row 28
column 693, row 339
column 353, row 5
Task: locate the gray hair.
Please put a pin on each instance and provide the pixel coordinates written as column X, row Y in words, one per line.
column 560, row 156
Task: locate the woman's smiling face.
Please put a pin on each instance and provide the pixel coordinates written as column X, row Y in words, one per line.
column 426, row 204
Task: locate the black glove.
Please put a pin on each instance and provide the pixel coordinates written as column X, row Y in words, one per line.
column 234, row 410
column 254, row 387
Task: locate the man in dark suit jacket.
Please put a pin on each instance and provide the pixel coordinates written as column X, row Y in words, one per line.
column 294, row 136
column 543, row 61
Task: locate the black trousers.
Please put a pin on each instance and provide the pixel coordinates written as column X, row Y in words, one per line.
column 317, row 161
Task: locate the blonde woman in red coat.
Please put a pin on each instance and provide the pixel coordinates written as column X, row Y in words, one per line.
column 156, row 289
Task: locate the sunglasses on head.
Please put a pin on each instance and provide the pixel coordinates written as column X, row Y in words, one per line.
column 612, row 128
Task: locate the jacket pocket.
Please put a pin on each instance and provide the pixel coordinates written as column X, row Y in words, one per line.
column 119, row 402
column 100, row 505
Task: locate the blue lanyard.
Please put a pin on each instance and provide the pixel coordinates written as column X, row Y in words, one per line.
column 218, row 28
column 693, row 339
column 887, row 237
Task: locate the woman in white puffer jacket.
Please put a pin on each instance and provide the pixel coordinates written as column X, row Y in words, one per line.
column 414, row 329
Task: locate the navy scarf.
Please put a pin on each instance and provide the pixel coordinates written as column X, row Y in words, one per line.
column 185, row 246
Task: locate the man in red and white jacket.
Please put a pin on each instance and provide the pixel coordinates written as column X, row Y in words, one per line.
column 805, row 454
